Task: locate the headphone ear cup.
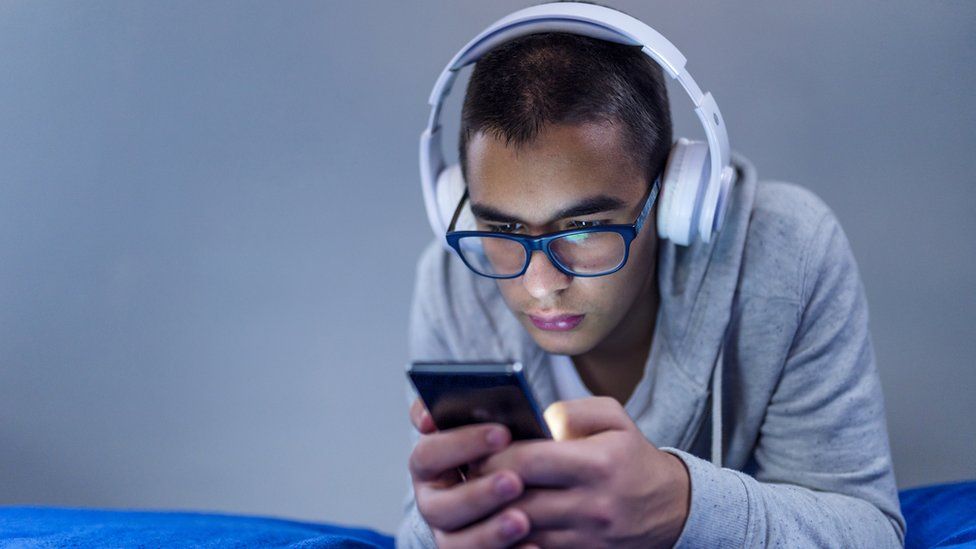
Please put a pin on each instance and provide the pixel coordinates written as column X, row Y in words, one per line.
column 684, row 185
column 450, row 189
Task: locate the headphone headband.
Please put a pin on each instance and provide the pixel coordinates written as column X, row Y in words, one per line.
column 588, row 20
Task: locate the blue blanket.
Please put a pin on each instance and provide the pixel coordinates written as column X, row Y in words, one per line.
column 58, row 527
column 937, row 516
column 940, row 516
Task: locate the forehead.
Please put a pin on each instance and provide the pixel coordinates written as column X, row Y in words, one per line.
column 563, row 164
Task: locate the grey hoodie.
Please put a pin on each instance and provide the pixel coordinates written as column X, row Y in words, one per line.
column 798, row 416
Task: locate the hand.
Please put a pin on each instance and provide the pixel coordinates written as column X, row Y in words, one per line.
column 601, row 483
column 464, row 514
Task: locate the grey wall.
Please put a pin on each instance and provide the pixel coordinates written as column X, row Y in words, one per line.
column 210, row 214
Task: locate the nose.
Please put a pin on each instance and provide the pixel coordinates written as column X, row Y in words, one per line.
column 542, row 278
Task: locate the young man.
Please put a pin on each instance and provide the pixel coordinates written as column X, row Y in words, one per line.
column 562, row 131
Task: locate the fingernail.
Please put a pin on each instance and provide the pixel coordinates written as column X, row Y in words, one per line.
column 511, row 528
column 495, row 437
column 505, row 486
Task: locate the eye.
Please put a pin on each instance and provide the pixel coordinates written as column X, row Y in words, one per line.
column 506, row 228
column 580, row 224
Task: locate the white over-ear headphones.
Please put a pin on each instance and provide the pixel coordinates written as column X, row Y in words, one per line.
column 697, row 176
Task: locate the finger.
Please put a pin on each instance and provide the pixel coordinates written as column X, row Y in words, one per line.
column 440, row 451
column 501, row 530
column 556, row 509
column 555, row 539
column 462, row 504
column 548, row 463
column 583, row 417
column 420, row 417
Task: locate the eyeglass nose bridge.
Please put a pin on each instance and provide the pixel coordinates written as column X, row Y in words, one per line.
column 542, row 244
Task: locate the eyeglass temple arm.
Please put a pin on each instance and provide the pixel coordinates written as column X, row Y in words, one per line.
column 457, row 211
column 651, row 199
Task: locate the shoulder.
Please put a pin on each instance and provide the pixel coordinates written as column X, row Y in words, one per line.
column 787, row 212
column 791, row 230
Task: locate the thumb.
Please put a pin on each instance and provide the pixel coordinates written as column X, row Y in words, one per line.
column 569, row 419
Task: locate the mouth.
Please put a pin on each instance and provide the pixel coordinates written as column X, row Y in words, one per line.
column 556, row 323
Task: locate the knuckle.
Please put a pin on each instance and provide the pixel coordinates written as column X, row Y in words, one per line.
column 427, row 511
column 438, row 521
column 509, row 483
column 494, row 536
column 525, row 463
column 478, row 436
column 442, row 540
column 501, row 439
column 419, row 462
column 499, row 535
column 482, row 534
column 479, row 499
column 448, row 516
column 460, row 505
column 601, row 513
column 601, row 464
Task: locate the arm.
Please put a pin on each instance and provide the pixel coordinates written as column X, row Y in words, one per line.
column 413, row 532
column 440, row 509
column 424, row 341
column 823, row 465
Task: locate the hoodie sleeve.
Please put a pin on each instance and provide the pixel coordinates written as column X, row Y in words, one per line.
column 823, row 472
column 426, row 341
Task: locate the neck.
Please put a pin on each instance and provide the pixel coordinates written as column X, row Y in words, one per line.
column 615, row 366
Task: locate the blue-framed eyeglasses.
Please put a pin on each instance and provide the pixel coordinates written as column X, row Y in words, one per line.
column 586, row 252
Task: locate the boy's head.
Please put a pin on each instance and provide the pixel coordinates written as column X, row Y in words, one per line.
column 553, row 121
column 558, row 78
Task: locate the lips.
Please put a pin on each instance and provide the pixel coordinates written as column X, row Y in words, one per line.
column 556, row 323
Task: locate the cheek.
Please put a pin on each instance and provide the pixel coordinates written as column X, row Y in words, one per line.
column 512, row 292
column 640, row 263
column 604, row 296
column 615, row 293
column 598, row 297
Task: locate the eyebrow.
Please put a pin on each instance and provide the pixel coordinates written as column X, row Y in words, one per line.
column 587, row 206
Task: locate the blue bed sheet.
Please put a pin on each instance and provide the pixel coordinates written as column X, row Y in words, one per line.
column 937, row 516
column 940, row 516
column 60, row 527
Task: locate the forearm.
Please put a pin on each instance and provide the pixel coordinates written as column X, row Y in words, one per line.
column 732, row 509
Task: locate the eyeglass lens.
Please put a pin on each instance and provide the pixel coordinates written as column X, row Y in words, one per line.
column 581, row 253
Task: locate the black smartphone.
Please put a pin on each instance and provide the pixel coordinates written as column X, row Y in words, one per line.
column 462, row 393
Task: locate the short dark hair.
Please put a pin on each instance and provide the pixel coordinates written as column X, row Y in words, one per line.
column 538, row 79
